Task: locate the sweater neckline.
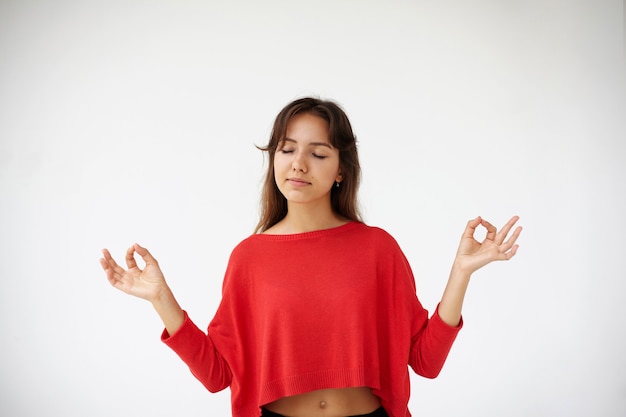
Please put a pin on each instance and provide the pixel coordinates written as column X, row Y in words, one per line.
column 307, row 235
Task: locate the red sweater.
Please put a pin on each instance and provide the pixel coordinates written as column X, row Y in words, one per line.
column 332, row 308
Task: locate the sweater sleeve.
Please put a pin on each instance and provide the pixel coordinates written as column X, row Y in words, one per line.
column 430, row 347
column 198, row 351
column 429, row 340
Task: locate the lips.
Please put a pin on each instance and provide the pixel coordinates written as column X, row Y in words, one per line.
column 297, row 182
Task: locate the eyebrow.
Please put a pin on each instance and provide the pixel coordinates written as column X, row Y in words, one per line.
column 310, row 144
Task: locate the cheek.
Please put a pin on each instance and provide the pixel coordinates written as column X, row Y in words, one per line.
column 278, row 164
column 276, row 174
column 281, row 168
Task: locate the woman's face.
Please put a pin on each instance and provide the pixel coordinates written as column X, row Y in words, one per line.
column 306, row 165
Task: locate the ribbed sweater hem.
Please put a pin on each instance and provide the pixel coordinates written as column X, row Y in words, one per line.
column 331, row 378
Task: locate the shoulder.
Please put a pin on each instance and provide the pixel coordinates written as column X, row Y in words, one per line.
column 375, row 232
column 376, row 237
column 383, row 249
column 244, row 255
column 246, row 248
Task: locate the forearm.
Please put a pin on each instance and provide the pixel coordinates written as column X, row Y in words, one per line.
column 452, row 300
column 169, row 310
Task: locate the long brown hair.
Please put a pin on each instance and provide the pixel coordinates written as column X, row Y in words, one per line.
column 343, row 199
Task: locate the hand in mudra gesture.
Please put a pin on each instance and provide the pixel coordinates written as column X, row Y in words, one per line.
column 146, row 283
column 496, row 246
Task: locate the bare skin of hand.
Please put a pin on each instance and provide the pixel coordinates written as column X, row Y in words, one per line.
column 148, row 283
column 473, row 255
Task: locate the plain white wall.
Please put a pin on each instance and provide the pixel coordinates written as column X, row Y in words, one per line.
column 132, row 120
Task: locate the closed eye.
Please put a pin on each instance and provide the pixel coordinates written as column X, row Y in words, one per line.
column 288, row 151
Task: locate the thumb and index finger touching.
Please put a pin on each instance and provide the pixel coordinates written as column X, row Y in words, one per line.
column 108, row 261
column 492, row 231
column 145, row 254
column 473, row 224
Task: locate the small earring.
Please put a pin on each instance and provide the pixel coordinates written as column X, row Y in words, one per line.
column 337, row 184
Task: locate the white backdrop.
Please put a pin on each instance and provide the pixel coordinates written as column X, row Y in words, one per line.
column 126, row 121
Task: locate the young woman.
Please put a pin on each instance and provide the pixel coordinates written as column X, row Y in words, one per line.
column 319, row 315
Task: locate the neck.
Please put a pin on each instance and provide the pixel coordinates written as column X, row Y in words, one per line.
column 303, row 218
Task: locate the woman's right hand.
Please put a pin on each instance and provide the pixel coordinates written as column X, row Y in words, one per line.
column 148, row 283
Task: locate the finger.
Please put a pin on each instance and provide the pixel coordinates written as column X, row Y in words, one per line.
column 506, row 229
column 107, row 256
column 104, row 264
column 508, row 255
column 130, row 258
column 491, row 230
column 508, row 245
column 109, row 263
column 112, row 276
column 471, row 227
column 145, row 255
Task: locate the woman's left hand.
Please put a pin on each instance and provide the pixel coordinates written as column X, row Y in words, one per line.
column 497, row 245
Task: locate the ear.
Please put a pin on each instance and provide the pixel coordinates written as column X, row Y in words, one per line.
column 339, row 177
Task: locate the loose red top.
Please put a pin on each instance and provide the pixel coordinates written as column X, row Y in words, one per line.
column 332, row 308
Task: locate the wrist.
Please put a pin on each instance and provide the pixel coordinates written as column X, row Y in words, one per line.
column 163, row 296
column 169, row 310
column 459, row 271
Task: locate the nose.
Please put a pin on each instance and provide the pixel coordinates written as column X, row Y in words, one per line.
column 298, row 163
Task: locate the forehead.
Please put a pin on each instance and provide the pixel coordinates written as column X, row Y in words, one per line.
column 307, row 127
